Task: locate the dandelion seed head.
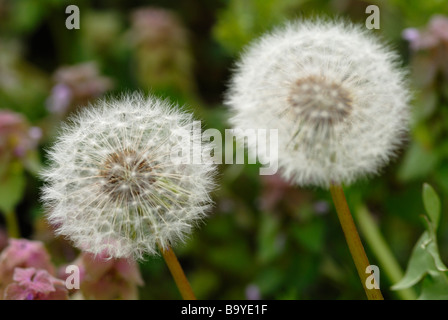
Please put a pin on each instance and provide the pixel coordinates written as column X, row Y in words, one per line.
column 111, row 185
column 336, row 94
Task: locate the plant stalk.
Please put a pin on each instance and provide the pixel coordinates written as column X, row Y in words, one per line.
column 178, row 273
column 12, row 225
column 353, row 241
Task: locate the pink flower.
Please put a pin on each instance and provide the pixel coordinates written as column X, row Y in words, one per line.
column 22, row 253
column 32, row 284
column 278, row 194
column 75, row 86
column 432, row 36
column 274, row 190
column 16, row 136
column 104, row 278
column 154, row 26
column 162, row 50
column 429, row 59
column 439, row 27
column 420, row 40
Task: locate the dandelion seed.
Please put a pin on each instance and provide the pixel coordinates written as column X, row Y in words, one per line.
column 334, row 92
column 121, row 179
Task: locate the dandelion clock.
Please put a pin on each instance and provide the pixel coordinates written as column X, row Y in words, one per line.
column 112, row 184
column 338, row 99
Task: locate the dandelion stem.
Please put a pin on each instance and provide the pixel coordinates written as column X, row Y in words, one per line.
column 178, row 274
column 353, row 241
column 381, row 250
column 12, row 224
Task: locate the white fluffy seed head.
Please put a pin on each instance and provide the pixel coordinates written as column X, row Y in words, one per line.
column 335, row 93
column 111, row 185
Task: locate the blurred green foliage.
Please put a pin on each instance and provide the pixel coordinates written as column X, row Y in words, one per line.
column 264, row 237
column 425, row 262
column 241, row 21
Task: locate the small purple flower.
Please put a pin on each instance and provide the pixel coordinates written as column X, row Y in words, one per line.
column 410, row 34
column 321, row 207
column 35, row 133
column 60, row 99
column 33, row 284
column 253, row 292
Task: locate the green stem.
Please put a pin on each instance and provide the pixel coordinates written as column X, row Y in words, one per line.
column 178, row 274
column 12, row 225
column 381, row 250
column 353, row 241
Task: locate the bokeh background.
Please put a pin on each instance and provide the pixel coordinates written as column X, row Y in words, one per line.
column 264, row 239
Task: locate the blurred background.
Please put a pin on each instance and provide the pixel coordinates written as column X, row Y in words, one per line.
column 264, row 239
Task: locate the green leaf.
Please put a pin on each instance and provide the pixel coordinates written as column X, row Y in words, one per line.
column 12, row 187
column 425, row 262
column 435, row 287
column 419, row 264
column 425, row 259
column 432, row 247
column 432, row 204
column 268, row 238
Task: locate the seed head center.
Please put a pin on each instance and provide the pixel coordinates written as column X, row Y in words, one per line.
column 126, row 173
column 319, row 101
